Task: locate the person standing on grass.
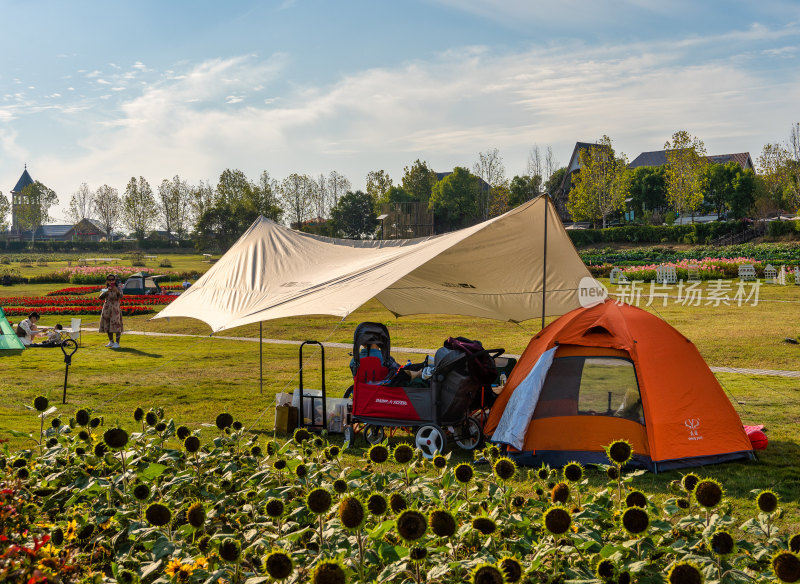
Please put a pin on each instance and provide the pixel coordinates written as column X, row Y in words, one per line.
column 111, row 316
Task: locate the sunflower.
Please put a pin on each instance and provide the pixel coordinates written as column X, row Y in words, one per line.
column 635, row 520
column 560, row 493
column 182, row 432
column 689, row 481
column 403, row 453
column 464, row 473
column 201, row 563
column 173, row 567
column 150, row 418
column 636, row 499
column 230, row 549
column 328, row 572
column 684, row 573
column 708, row 493
column 138, row 414
column 340, row 486
column 196, row 515
column 397, row 502
column 377, row 504
column 794, row 543
column 224, row 420
column 786, row 566
column 158, row 515
column 319, row 500
column 543, row 473
column 191, row 444
column 41, row 403
column 278, row 565
column 82, row 417
column 274, row 508
column 722, row 543
column 301, row 435
column 557, row 520
column 504, row 468
column 442, row 523
column 605, row 570
column 115, row 438
column 573, row 472
column 487, row 574
column 439, row 461
column 411, row 525
column 71, row 531
column 767, row 501
column 511, row 568
column 484, row 524
column 619, row 452
column 351, row 512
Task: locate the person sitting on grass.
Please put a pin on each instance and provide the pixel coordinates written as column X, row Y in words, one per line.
column 53, row 338
column 27, row 329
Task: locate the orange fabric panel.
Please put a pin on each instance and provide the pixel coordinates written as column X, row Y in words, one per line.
column 579, row 351
column 589, row 433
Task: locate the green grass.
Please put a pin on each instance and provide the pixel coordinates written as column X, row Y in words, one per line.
column 196, row 378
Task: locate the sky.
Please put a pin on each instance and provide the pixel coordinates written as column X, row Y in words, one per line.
column 97, row 92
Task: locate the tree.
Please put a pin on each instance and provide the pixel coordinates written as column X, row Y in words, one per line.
column 35, row 211
column 719, row 185
column 553, row 182
column 490, row 168
column 602, row 184
column 107, row 207
column 203, row 198
column 378, row 182
column 139, row 209
column 338, row 185
column 319, row 197
column 354, row 216
column 418, row 181
column 524, row 188
column 174, row 205
column 743, row 194
column 685, row 172
column 535, row 166
column 233, row 187
column 499, row 198
column 264, row 198
column 648, row 191
column 5, row 209
column 550, row 164
column 80, row 204
column 296, row 190
column 396, row 195
column 775, row 169
column 454, row 200
column 793, row 199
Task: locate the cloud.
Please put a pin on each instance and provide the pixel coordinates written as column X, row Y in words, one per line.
column 231, row 99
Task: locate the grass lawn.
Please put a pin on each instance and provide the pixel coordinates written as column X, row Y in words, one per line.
column 196, row 378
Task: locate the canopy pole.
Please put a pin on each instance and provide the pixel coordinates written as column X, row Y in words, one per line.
column 544, row 261
column 260, row 357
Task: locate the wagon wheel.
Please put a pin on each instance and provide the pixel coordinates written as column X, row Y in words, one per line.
column 470, row 435
column 374, row 434
column 429, row 440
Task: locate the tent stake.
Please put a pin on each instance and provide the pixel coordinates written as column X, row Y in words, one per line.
column 544, row 263
column 260, row 357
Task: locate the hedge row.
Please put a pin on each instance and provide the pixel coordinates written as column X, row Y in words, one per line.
column 695, row 233
column 81, row 246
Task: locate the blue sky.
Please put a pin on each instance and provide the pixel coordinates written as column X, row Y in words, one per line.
column 97, row 92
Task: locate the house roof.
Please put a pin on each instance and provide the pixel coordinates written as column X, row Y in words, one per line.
column 23, row 182
column 53, row 230
column 659, row 158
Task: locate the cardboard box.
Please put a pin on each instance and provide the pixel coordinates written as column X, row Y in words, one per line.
column 285, row 419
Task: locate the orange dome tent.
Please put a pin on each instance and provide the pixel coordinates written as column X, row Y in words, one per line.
column 614, row 371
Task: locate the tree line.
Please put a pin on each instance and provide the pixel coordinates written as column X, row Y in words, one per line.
column 688, row 184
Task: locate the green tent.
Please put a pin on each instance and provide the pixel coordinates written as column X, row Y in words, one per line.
column 9, row 341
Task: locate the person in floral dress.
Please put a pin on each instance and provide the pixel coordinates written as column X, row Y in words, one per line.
column 111, row 316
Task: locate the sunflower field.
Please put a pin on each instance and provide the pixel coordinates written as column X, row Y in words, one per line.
column 152, row 501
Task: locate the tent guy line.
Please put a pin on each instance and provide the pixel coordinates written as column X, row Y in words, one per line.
column 417, row 351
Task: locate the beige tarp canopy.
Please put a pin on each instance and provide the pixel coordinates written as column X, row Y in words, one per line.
column 491, row 270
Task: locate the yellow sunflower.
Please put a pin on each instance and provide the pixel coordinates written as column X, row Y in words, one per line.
column 71, row 531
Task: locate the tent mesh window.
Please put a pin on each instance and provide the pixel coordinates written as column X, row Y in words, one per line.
column 591, row 386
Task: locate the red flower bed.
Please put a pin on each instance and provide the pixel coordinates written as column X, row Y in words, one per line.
column 127, row 310
column 75, row 291
column 143, row 300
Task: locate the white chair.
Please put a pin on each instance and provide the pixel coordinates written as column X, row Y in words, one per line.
column 75, row 330
column 770, row 275
column 693, row 273
column 747, row 272
column 617, row 277
column 666, row 275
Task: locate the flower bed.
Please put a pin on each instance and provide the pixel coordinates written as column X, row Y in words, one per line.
column 224, row 506
column 23, row 310
column 75, row 291
column 143, row 300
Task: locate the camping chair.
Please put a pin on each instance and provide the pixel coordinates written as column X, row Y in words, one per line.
column 770, row 275
column 75, row 330
column 487, row 396
column 747, row 272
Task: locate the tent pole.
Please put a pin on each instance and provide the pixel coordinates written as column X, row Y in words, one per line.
column 544, row 262
column 260, row 357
